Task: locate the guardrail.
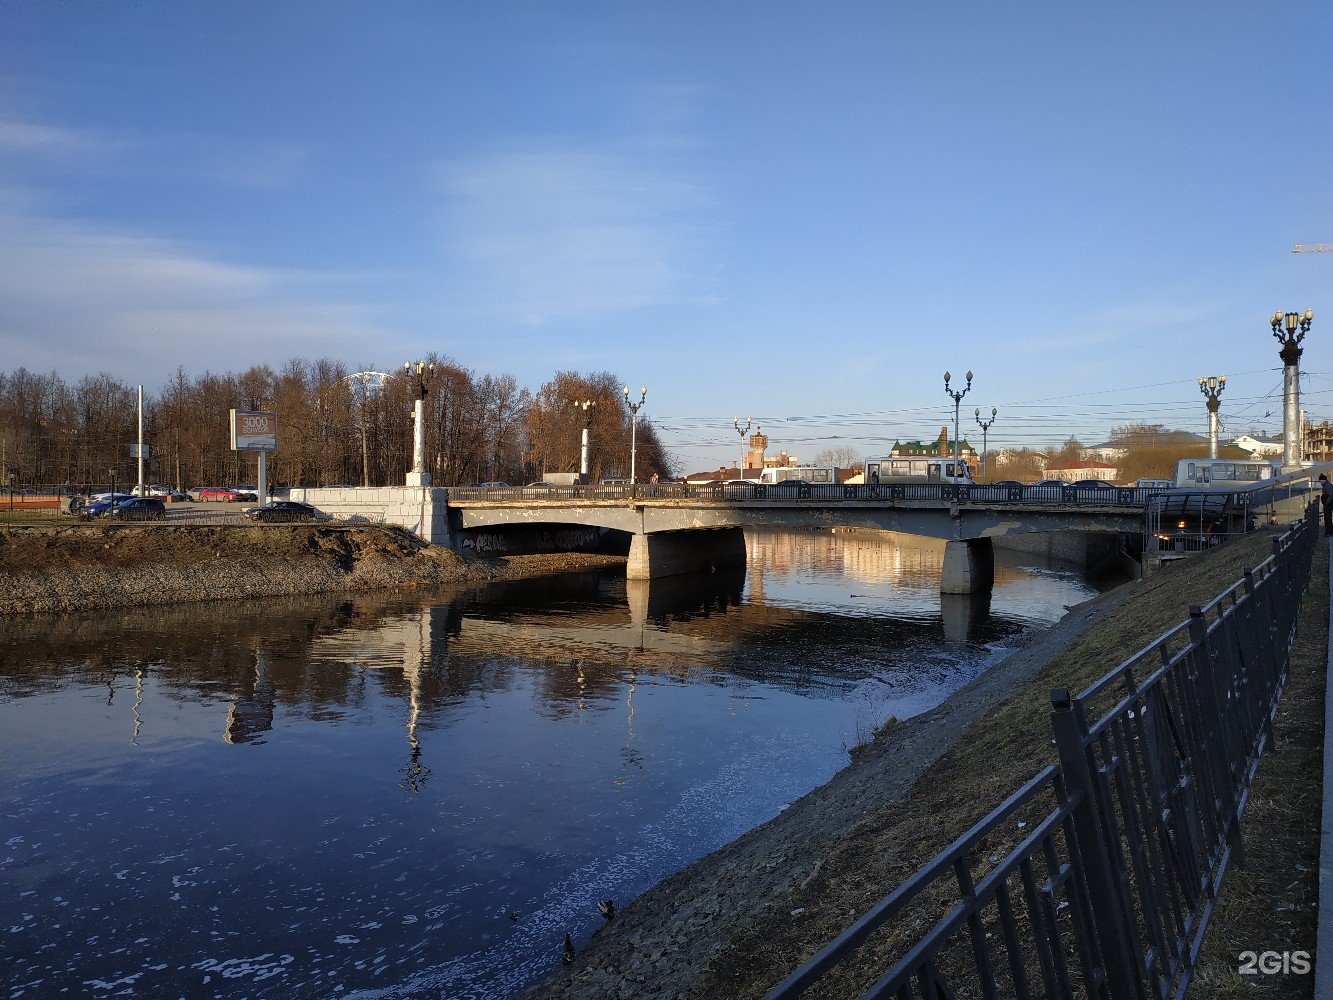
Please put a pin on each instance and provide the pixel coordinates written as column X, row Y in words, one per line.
column 1098, row 877
column 1113, row 496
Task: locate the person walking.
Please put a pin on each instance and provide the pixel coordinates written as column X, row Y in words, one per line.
column 1326, row 501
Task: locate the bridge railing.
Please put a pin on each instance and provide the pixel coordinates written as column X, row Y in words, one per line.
column 1098, row 877
column 743, row 492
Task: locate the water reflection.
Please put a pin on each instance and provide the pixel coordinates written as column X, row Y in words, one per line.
column 305, row 797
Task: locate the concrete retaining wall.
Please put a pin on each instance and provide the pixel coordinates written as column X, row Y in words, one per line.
column 420, row 509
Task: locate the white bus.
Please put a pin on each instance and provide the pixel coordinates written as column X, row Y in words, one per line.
column 929, row 469
column 813, row 474
column 1223, row 473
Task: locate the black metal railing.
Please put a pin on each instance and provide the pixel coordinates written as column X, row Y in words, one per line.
column 743, row 492
column 1098, row 877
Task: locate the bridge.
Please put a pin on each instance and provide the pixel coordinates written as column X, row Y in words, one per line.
column 676, row 528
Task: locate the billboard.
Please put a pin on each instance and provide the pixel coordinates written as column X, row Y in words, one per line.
column 254, row 430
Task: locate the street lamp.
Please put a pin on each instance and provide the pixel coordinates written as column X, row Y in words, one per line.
column 957, row 398
column 985, row 426
column 634, row 428
column 423, row 370
column 587, row 406
column 1290, row 329
column 742, row 431
column 1212, row 387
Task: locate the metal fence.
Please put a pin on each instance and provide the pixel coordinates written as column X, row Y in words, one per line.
column 1098, row 877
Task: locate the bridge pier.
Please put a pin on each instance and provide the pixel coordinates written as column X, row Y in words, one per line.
column 671, row 553
column 969, row 566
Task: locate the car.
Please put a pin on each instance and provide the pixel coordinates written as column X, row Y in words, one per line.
column 247, row 491
column 1007, row 484
column 492, row 486
column 194, row 491
column 285, row 511
column 1094, row 484
column 616, row 481
column 223, row 493
column 540, row 486
column 103, row 502
column 139, row 509
column 1050, row 482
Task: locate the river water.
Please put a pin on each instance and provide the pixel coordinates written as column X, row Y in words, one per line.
column 421, row 795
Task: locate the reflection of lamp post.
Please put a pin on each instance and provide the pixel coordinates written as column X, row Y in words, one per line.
column 742, row 431
column 424, row 370
column 985, row 451
column 1290, row 329
column 587, row 406
column 1212, row 387
column 957, row 398
column 633, row 428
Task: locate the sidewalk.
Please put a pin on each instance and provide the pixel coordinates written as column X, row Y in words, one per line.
column 1323, row 970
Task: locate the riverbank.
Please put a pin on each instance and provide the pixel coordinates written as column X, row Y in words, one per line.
column 739, row 920
column 86, row 568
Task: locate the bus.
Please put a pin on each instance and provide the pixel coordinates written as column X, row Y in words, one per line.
column 1223, row 473
column 816, row 475
column 928, row 469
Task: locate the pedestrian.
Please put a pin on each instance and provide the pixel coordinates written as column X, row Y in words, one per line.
column 1326, row 500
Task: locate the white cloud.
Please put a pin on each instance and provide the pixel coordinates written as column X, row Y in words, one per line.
column 77, row 299
column 548, row 234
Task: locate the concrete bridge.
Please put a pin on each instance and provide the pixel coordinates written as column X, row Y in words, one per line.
column 676, row 529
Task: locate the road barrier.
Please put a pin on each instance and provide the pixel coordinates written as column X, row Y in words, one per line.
column 1098, row 877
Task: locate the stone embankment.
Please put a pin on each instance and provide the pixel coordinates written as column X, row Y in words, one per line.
column 84, row 568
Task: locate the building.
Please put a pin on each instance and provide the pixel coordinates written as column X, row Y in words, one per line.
column 941, row 446
column 1088, row 469
column 756, row 461
column 1318, row 443
column 1258, row 447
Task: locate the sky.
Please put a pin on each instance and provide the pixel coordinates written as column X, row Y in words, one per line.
column 795, row 214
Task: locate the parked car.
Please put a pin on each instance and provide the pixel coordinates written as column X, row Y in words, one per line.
column 285, row 511
column 493, row 486
column 1093, row 484
column 223, row 493
column 193, row 492
column 247, row 491
column 1007, row 483
column 103, row 502
column 139, row 509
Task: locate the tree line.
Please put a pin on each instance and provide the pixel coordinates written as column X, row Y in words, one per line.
column 335, row 425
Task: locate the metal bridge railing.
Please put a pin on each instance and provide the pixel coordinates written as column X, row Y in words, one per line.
column 739, row 492
column 1098, row 877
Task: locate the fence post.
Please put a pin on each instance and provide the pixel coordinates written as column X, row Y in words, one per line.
column 1103, row 878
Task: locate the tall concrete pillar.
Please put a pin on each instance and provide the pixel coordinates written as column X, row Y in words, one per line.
column 672, row 553
column 969, row 566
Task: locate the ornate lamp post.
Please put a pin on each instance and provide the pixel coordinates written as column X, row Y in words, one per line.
column 1290, row 329
column 1212, row 387
column 587, row 406
column 985, row 426
column 423, row 371
column 634, row 428
column 742, row 431
column 957, row 398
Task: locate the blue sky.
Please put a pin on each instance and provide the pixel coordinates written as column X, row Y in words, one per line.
column 799, row 212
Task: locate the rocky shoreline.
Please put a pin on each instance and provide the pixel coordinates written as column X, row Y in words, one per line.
column 45, row 571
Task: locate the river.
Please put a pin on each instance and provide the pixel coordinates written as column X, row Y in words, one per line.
column 420, row 795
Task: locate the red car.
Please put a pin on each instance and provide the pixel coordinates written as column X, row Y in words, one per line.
column 224, row 493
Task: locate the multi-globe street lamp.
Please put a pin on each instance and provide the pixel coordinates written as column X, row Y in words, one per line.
column 634, row 429
column 423, row 370
column 985, row 451
column 1212, row 387
column 1290, row 329
column 957, row 398
column 742, row 431
column 587, row 406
